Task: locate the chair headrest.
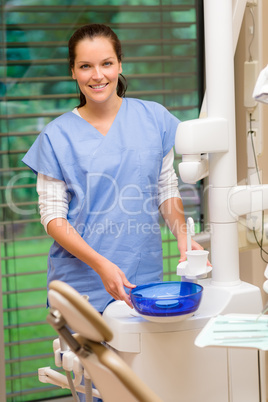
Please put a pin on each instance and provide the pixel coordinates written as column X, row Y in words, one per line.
column 79, row 314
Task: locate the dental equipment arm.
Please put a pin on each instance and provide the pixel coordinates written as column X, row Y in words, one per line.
column 260, row 92
column 195, row 138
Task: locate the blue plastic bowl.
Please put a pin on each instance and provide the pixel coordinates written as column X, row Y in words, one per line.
column 166, row 299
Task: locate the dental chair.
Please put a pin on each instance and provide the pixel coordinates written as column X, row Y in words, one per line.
column 85, row 332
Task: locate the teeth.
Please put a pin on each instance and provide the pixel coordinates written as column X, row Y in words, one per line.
column 98, row 86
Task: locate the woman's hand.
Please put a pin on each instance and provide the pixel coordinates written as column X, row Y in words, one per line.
column 182, row 246
column 173, row 214
column 114, row 281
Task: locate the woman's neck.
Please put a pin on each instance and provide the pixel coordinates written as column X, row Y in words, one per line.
column 95, row 111
column 100, row 116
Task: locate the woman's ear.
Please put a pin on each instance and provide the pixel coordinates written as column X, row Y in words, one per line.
column 120, row 68
column 73, row 75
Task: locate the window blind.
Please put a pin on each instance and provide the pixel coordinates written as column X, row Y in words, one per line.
column 162, row 47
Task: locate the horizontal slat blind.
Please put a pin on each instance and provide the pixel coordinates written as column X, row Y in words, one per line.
column 161, row 47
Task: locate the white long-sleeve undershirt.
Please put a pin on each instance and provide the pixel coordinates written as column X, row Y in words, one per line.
column 54, row 196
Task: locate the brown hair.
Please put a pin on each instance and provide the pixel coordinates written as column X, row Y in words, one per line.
column 92, row 31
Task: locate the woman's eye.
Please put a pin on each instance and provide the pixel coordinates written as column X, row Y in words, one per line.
column 84, row 66
column 107, row 63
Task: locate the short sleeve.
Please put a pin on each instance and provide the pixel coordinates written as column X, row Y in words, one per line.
column 41, row 158
column 168, row 125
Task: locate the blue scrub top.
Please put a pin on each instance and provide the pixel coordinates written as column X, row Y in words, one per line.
column 112, row 182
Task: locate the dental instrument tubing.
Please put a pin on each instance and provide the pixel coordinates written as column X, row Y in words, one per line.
column 221, row 103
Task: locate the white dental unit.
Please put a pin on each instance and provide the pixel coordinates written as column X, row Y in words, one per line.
column 164, row 354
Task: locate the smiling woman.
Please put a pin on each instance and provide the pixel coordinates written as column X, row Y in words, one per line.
column 161, row 45
column 96, row 70
column 106, row 141
column 95, row 62
column 87, row 47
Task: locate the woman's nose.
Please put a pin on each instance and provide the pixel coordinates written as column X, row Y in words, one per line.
column 97, row 73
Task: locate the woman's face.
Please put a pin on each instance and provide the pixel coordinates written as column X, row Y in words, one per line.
column 96, row 69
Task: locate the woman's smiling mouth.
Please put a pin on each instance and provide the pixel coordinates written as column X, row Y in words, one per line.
column 98, row 86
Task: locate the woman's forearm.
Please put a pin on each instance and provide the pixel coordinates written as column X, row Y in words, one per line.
column 111, row 275
column 65, row 234
column 173, row 213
